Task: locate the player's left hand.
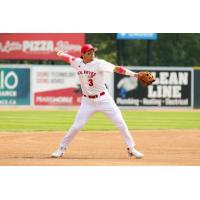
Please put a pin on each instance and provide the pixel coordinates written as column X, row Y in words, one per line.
column 145, row 78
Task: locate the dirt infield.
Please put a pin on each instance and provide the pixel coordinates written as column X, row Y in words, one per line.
column 167, row 147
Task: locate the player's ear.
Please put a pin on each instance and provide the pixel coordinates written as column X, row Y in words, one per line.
column 83, row 54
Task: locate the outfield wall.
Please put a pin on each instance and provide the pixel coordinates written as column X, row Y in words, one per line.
column 42, row 86
column 58, row 86
column 196, row 87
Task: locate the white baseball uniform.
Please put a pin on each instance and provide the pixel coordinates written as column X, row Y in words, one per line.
column 95, row 99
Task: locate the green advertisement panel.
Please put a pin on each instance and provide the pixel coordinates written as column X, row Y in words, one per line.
column 14, row 86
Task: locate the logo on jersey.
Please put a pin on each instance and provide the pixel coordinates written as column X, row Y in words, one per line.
column 89, row 73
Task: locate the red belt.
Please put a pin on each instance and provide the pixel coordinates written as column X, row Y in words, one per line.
column 94, row 96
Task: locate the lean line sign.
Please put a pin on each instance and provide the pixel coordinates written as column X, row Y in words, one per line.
column 137, row 36
column 173, row 88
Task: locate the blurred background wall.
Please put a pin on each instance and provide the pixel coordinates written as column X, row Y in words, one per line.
column 27, row 63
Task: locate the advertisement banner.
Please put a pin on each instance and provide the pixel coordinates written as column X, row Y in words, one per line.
column 137, row 36
column 173, row 88
column 55, row 86
column 14, row 86
column 39, row 46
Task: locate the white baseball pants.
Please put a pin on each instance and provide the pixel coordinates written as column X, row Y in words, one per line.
column 89, row 107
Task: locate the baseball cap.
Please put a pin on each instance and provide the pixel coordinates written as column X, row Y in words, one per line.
column 87, row 47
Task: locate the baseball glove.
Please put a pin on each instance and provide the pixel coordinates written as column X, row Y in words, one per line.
column 145, row 78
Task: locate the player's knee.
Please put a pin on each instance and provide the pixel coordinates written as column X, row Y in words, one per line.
column 77, row 126
column 120, row 125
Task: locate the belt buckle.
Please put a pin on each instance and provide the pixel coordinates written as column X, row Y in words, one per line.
column 94, row 96
column 102, row 93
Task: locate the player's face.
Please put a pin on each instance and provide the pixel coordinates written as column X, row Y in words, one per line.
column 89, row 55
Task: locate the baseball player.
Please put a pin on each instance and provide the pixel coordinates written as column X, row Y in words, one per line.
column 95, row 97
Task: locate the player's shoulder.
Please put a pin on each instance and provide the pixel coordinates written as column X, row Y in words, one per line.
column 78, row 60
column 99, row 61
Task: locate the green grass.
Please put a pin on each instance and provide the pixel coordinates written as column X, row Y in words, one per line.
column 62, row 120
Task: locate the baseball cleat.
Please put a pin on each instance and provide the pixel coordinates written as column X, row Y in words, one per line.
column 134, row 152
column 58, row 153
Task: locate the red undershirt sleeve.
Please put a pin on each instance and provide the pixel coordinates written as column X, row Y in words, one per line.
column 68, row 58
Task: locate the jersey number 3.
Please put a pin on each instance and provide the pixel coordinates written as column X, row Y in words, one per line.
column 90, row 81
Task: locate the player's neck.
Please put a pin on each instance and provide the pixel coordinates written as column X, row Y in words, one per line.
column 87, row 61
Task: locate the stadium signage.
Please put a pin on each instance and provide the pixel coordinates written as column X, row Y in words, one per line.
column 168, row 85
column 39, row 46
column 9, row 80
column 137, row 36
column 55, row 86
column 14, row 86
column 173, row 88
